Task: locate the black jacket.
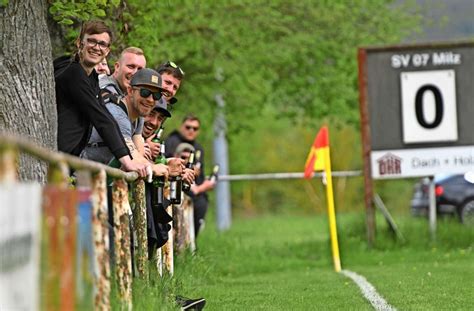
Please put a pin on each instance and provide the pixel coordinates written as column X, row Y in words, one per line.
column 79, row 108
column 172, row 142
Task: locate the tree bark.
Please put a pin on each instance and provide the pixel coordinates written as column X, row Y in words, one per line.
column 27, row 94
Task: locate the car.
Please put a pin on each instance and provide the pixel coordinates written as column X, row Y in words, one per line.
column 454, row 196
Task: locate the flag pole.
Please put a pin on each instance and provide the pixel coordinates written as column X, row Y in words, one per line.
column 331, row 213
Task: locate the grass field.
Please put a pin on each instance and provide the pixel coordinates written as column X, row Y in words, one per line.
column 284, row 263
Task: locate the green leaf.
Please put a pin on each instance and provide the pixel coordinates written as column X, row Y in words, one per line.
column 66, row 21
column 99, row 13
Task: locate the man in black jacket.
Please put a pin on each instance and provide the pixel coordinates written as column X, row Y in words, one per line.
column 188, row 132
column 78, row 105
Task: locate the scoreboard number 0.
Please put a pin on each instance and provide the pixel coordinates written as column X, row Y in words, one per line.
column 428, row 100
column 438, row 106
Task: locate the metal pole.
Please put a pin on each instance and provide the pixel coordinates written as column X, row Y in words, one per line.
column 221, row 157
column 365, row 131
column 432, row 209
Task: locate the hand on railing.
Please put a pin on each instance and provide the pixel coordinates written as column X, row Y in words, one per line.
column 129, row 165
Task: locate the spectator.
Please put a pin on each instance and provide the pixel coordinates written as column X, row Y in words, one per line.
column 130, row 61
column 172, row 76
column 78, row 107
column 152, row 122
column 143, row 91
column 188, row 132
column 102, row 68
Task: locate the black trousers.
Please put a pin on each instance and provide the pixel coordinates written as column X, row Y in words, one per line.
column 200, row 209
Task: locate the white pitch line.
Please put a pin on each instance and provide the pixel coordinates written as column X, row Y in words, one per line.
column 369, row 292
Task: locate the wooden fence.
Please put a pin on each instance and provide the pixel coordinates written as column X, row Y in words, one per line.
column 68, row 227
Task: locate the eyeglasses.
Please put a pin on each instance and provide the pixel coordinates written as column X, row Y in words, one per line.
column 146, row 92
column 194, row 128
column 102, row 44
column 173, row 65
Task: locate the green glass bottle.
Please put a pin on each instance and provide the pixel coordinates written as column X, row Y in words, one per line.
column 190, row 164
column 214, row 175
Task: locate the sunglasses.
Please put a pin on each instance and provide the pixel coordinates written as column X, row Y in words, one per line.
column 146, row 92
column 189, row 127
column 173, row 65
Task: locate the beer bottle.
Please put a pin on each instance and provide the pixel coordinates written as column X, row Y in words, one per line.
column 190, row 164
column 159, row 181
column 214, row 175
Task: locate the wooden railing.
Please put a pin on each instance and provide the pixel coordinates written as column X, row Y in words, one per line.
column 94, row 175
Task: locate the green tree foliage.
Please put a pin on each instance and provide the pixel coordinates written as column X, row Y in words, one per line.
column 283, row 68
column 297, row 57
column 69, row 15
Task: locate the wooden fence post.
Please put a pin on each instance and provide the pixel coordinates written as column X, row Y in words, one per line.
column 101, row 242
column 123, row 261
column 140, row 227
column 58, row 175
column 180, row 228
column 167, row 249
column 183, row 225
column 59, row 241
column 189, row 216
column 8, row 162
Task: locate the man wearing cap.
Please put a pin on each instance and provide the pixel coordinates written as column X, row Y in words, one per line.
column 143, row 91
column 152, row 122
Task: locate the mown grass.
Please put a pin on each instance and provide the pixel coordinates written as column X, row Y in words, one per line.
column 284, row 263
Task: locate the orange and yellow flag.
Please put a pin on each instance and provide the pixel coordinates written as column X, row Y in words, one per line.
column 316, row 157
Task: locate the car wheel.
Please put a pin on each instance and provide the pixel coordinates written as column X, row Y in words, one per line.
column 467, row 213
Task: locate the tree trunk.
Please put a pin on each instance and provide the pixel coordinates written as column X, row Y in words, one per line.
column 27, row 94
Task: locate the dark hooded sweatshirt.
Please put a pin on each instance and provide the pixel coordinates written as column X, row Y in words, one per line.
column 79, row 108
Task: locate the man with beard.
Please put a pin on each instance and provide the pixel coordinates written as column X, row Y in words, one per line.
column 143, row 91
column 171, row 77
column 152, row 122
column 77, row 100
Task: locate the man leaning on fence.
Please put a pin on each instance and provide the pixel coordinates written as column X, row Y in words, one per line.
column 188, row 133
column 143, row 91
column 114, row 87
column 78, row 105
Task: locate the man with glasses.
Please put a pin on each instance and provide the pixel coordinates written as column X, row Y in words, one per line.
column 188, row 133
column 78, row 105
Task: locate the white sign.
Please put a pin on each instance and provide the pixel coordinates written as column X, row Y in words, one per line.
column 429, row 106
column 421, row 162
column 20, row 206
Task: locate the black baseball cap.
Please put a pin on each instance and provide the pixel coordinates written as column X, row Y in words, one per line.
column 162, row 106
column 147, row 77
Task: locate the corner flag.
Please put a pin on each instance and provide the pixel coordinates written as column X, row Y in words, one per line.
column 319, row 160
column 316, row 157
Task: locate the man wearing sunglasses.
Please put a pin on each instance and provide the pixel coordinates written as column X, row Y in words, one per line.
column 188, row 133
column 143, row 91
column 77, row 100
